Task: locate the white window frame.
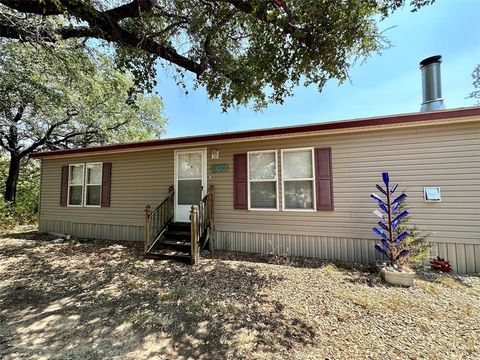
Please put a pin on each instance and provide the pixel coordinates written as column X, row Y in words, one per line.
column 86, row 185
column 69, row 185
column 263, row 180
column 312, row 179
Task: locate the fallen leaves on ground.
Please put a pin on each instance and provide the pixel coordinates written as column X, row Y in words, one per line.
column 100, row 299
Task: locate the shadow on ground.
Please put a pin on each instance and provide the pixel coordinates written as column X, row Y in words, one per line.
column 102, row 299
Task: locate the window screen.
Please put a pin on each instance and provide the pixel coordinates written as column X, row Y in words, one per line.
column 93, row 183
column 262, row 170
column 298, row 179
column 75, row 184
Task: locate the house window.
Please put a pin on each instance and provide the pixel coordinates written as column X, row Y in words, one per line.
column 262, row 180
column 75, row 184
column 93, row 184
column 84, row 184
column 298, row 179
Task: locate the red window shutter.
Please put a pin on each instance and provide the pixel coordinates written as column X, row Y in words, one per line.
column 323, row 178
column 240, row 181
column 106, row 183
column 64, row 186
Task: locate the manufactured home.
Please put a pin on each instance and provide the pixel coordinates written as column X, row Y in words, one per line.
column 300, row 190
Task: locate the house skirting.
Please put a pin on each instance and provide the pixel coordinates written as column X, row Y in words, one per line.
column 464, row 258
column 91, row 230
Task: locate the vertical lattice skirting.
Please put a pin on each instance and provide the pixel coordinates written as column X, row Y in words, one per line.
column 94, row 231
column 464, row 258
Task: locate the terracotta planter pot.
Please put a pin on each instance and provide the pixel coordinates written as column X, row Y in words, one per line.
column 398, row 277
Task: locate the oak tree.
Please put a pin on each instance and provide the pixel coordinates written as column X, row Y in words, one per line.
column 241, row 51
column 66, row 98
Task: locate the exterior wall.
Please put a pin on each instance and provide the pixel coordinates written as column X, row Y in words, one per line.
column 445, row 155
column 134, row 184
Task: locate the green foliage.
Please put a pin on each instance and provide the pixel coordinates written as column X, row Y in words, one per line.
column 26, row 208
column 416, row 242
column 476, row 85
column 69, row 97
column 242, row 52
column 78, row 94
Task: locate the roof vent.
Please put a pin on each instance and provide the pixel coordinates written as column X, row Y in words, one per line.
column 431, row 84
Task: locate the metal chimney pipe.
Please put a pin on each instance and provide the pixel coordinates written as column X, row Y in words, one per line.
column 431, row 84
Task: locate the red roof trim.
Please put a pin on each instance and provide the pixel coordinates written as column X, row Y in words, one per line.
column 388, row 120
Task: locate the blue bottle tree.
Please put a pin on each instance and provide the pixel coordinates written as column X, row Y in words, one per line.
column 390, row 215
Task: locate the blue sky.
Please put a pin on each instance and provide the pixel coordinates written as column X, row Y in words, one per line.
column 389, row 83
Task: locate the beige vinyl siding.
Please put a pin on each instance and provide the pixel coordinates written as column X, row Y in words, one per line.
column 134, row 184
column 447, row 156
column 444, row 155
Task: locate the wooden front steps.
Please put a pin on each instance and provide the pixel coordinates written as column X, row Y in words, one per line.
column 166, row 239
column 175, row 243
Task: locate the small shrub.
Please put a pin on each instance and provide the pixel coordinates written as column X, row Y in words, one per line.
column 280, row 255
column 330, row 269
column 416, row 242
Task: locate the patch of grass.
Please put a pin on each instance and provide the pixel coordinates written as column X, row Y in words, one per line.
column 149, row 318
column 364, row 301
column 468, row 311
column 151, row 277
column 397, row 302
column 233, row 308
column 222, row 285
column 472, row 345
column 330, row 269
column 161, row 320
column 424, row 326
column 450, row 282
column 428, row 287
column 199, row 305
column 176, row 294
column 130, row 285
column 245, row 339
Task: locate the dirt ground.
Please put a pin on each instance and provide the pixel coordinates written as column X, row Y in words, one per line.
column 98, row 299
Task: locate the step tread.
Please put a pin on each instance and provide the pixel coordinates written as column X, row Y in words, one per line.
column 168, row 253
column 168, row 241
column 179, row 225
column 186, row 234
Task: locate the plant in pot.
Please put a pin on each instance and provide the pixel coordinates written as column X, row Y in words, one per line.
column 391, row 242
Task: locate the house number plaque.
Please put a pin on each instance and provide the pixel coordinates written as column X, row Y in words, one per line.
column 218, row 168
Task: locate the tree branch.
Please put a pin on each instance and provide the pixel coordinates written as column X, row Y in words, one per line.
column 288, row 28
column 48, row 7
column 47, row 135
column 3, row 144
column 102, row 25
column 133, row 9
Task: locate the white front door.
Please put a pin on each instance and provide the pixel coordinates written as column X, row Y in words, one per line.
column 190, row 181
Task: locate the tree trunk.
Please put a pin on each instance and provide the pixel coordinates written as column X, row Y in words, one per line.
column 12, row 179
